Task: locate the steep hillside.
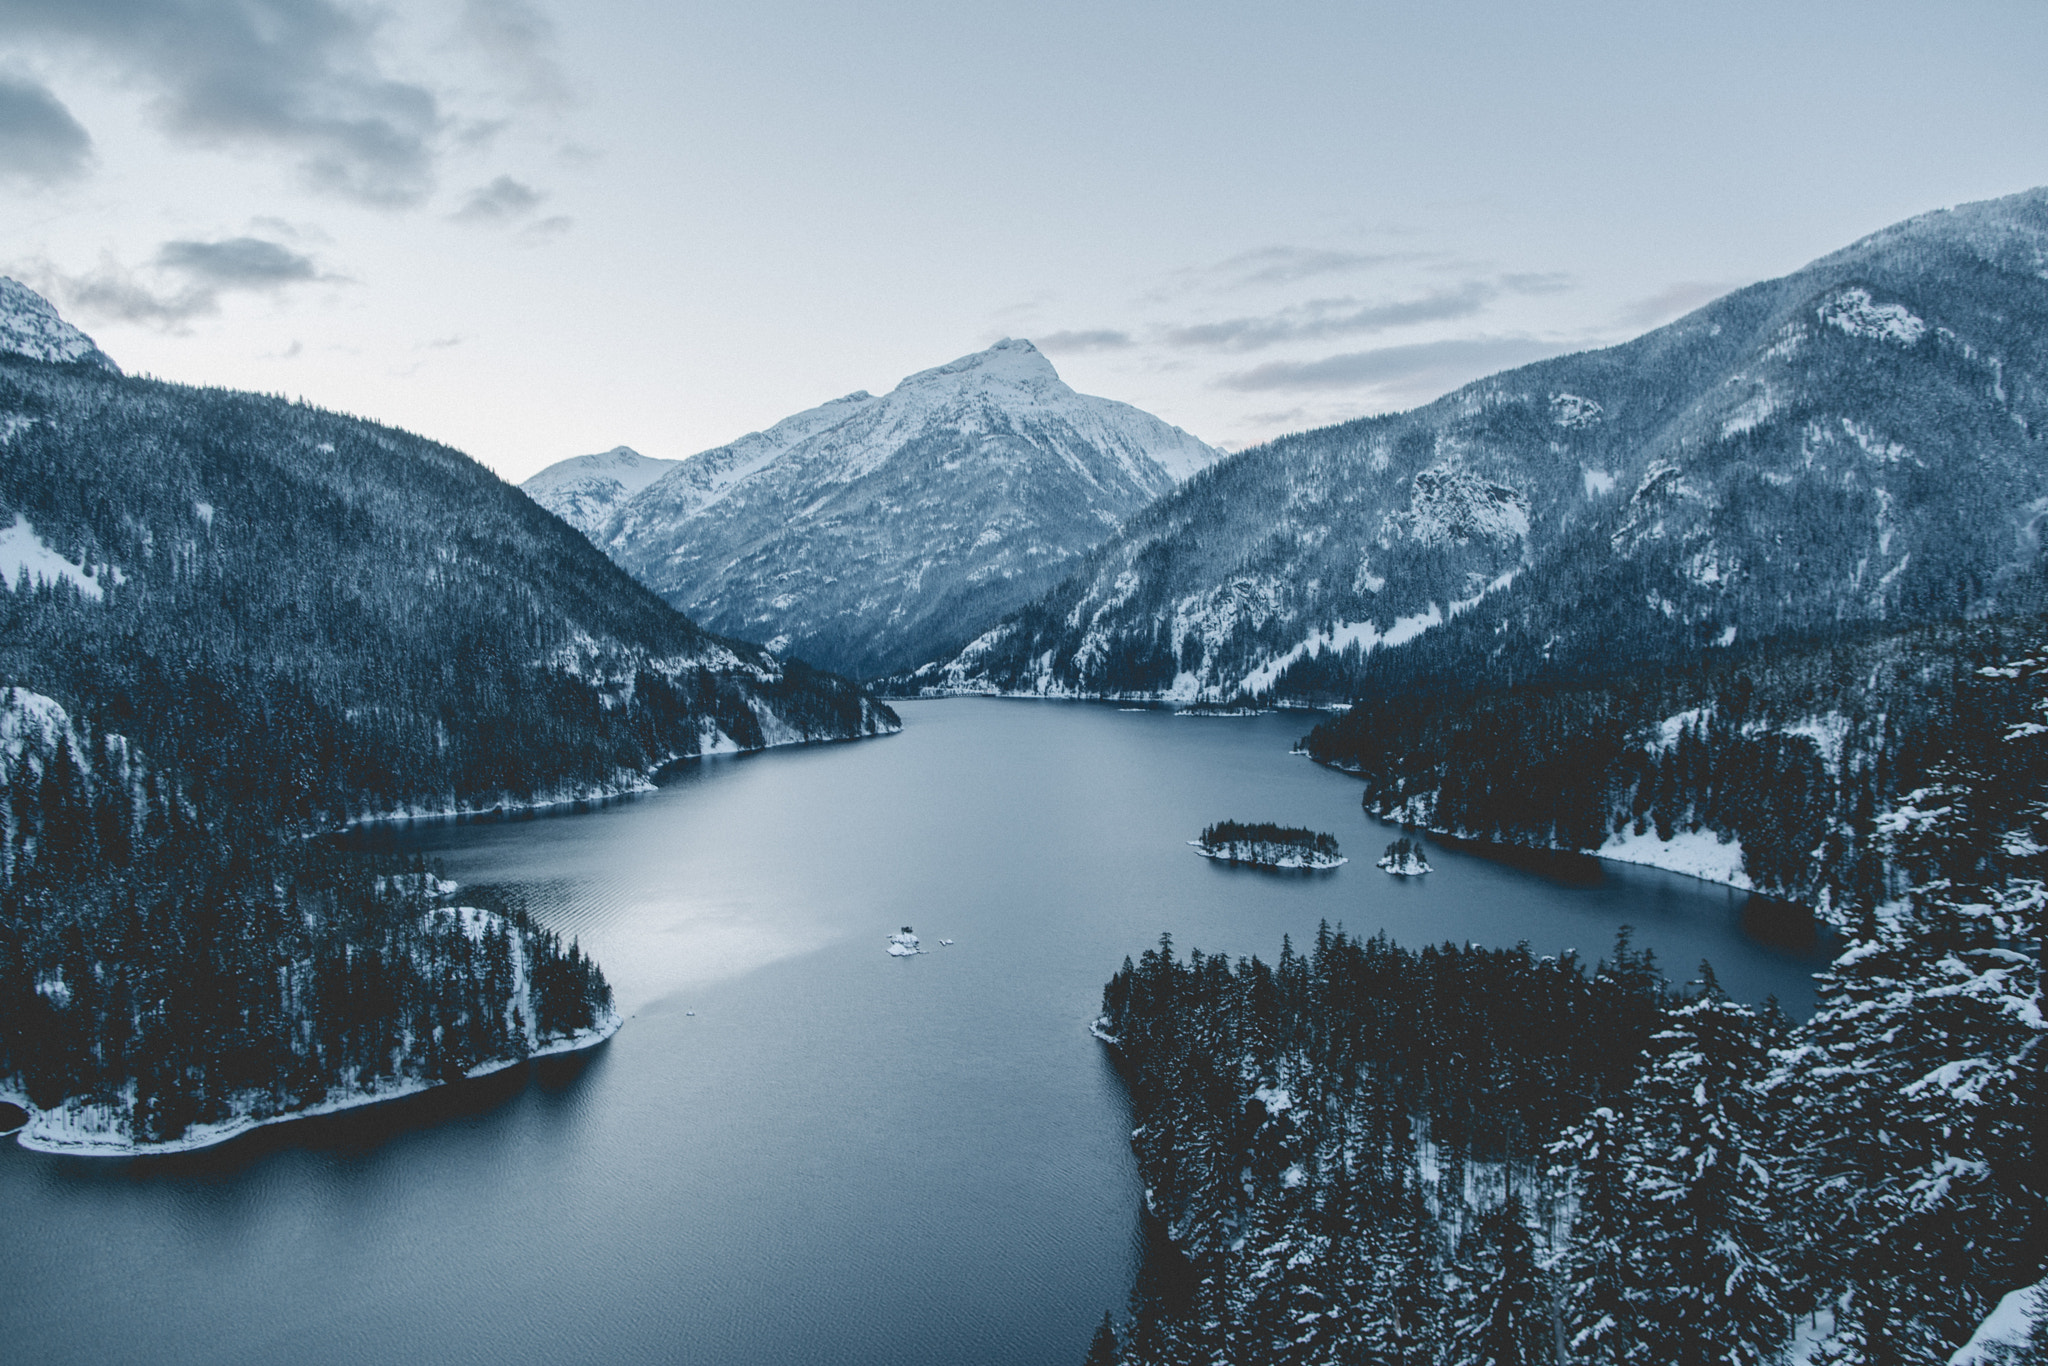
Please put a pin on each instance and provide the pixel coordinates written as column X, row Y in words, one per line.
column 1859, row 441
column 868, row 533
column 331, row 618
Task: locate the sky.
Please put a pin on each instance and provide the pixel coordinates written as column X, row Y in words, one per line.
column 534, row 229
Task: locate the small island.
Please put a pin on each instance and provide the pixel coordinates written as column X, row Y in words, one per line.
column 1266, row 845
column 903, row 944
column 1404, row 859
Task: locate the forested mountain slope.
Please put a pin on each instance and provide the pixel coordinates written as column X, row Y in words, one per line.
column 333, row 618
column 230, row 622
column 1858, row 441
column 868, row 533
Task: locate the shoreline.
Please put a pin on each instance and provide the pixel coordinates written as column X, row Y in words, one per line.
column 59, row 1142
column 597, row 796
column 1720, row 867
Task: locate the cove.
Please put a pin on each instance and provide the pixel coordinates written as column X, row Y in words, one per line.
column 840, row 1156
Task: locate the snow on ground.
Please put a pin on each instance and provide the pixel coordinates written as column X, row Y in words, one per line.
column 2007, row 1327
column 1412, row 864
column 1340, row 637
column 23, row 552
column 1699, row 854
column 904, row 945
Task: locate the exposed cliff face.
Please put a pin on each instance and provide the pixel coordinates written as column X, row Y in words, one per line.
column 869, row 532
column 1860, row 440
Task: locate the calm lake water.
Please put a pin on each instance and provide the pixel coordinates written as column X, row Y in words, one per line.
column 840, row 1157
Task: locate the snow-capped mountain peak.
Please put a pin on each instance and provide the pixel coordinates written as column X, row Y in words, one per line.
column 1012, row 361
column 864, row 531
column 30, row 326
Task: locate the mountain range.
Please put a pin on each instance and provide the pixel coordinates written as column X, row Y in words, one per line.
column 1857, row 442
column 869, row 533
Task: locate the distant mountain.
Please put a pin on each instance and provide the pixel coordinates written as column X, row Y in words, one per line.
column 586, row 490
column 1861, row 441
column 869, row 533
column 30, row 327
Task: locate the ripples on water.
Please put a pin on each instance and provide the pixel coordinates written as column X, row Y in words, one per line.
column 840, row 1157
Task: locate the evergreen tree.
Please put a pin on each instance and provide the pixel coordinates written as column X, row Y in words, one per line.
column 1505, row 1310
column 1701, row 1249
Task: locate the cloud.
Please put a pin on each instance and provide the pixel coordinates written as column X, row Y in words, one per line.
column 1421, row 369
column 1285, row 265
column 546, row 229
column 237, row 263
column 520, row 40
column 299, row 75
column 1671, row 301
column 501, row 201
column 185, row 280
column 1094, row 339
column 1541, row 282
column 39, row 140
column 1335, row 317
column 308, row 78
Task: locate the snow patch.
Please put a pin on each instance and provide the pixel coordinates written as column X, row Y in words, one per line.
column 1699, row 854
column 23, row 552
column 2006, row 1328
column 1342, row 636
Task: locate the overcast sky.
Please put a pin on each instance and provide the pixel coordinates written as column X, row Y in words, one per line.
column 534, row 229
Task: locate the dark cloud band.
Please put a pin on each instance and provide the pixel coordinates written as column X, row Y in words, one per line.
column 1420, row 369
column 39, row 140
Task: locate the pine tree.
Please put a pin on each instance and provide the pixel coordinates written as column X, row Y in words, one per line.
column 1595, row 1168
column 1701, row 1250
column 1505, row 1310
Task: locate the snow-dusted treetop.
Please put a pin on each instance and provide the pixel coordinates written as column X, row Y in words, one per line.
column 30, row 326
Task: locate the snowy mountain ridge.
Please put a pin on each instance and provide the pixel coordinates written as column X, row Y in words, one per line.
column 871, row 531
column 30, row 326
column 1859, row 441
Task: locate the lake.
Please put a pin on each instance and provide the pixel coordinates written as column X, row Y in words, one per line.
column 799, row 1149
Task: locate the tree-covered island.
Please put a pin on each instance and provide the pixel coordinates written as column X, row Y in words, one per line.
column 1265, row 845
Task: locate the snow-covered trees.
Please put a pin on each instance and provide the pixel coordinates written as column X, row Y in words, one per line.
column 1346, row 1148
column 1914, row 1096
